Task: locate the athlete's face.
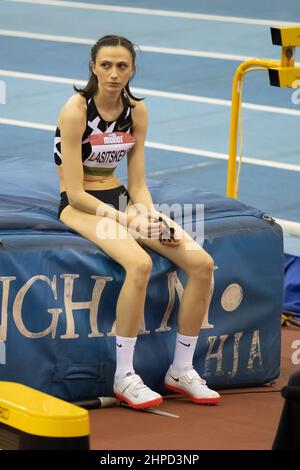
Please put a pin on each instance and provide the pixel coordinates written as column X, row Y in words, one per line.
column 113, row 67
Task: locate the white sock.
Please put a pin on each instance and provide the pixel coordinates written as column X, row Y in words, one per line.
column 184, row 352
column 124, row 350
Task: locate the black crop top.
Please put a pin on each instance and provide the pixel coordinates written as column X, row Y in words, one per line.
column 104, row 144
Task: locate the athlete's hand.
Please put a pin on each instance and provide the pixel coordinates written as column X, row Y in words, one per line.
column 145, row 226
column 168, row 237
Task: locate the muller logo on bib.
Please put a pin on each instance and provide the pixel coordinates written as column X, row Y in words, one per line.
column 115, row 139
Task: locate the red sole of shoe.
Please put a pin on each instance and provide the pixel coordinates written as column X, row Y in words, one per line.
column 199, row 401
column 139, row 406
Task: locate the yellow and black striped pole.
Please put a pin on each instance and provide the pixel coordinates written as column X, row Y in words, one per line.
column 281, row 73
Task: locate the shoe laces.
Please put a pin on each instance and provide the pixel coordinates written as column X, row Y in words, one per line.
column 138, row 385
column 197, row 378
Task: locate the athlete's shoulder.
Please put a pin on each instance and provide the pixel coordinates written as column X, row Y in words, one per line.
column 138, row 106
column 73, row 111
column 139, row 114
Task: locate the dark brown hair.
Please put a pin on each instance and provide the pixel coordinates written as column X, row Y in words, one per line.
column 92, row 86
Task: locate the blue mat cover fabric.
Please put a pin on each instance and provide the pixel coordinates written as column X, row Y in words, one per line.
column 59, row 291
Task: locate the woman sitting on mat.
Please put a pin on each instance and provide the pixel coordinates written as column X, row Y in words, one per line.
column 97, row 127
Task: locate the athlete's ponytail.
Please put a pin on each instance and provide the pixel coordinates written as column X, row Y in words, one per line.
column 91, row 87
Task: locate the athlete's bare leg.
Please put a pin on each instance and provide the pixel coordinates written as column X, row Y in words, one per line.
column 128, row 253
column 198, row 266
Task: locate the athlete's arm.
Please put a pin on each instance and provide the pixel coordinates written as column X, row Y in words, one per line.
column 137, row 186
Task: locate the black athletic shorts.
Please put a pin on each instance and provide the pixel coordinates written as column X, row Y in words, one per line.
column 109, row 196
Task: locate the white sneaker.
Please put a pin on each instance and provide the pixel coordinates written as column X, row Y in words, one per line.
column 191, row 384
column 135, row 393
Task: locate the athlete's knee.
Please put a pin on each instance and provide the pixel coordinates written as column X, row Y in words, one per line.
column 140, row 268
column 200, row 266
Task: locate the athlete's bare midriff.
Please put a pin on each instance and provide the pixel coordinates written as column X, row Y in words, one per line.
column 91, row 182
